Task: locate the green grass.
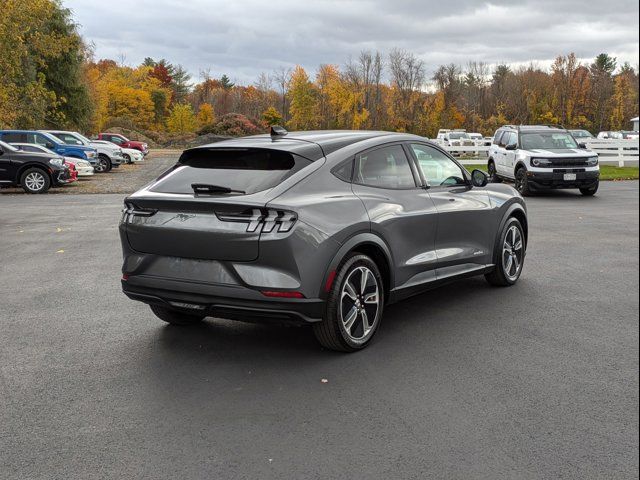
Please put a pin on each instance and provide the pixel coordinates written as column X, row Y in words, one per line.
column 607, row 172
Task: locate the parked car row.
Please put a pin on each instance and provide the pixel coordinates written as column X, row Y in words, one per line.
column 37, row 160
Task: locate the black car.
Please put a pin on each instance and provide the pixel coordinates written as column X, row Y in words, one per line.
column 34, row 172
column 323, row 228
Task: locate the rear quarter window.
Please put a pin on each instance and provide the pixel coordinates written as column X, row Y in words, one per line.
column 245, row 170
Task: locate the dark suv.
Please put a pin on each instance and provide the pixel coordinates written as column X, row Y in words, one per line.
column 323, row 228
column 34, row 172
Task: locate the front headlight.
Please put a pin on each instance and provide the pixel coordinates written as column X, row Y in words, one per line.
column 592, row 161
column 540, row 162
column 83, row 164
column 91, row 154
column 58, row 162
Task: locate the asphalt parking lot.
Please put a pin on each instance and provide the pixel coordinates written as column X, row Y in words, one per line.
column 468, row 381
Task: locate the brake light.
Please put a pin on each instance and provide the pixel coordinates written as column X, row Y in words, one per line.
column 125, row 277
column 275, row 294
column 262, row 220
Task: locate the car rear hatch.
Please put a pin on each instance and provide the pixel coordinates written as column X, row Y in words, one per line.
column 211, row 205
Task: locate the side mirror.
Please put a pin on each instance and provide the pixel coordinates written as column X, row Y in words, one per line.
column 511, row 146
column 479, row 178
column 50, row 145
column 582, row 146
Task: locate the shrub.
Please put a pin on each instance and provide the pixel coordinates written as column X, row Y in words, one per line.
column 236, row 125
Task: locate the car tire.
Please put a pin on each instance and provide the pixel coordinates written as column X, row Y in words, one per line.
column 504, row 273
column 174, row 317
column 591, row 191
column 104, row 164
column 127, row 158
column 493, row 174
column 354, row 306
column 35, row 180
column 522, row 182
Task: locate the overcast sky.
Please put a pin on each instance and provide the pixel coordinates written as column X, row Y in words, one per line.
column 242, row 38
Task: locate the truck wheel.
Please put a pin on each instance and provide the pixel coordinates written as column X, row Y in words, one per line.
column 591, row 191
column 493, row 174
column 34, row 180
column 522, row 182
column 104, row 164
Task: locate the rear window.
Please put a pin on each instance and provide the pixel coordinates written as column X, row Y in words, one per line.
column 242, row 170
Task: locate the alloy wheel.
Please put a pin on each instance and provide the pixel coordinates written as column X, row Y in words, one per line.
column 35, row 181
column 101, row 166
column 359, row 303
column 512, row 253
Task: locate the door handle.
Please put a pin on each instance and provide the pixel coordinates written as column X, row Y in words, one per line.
column 452, row 199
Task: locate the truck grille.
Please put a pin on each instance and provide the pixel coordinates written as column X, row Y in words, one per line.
column 568, row 162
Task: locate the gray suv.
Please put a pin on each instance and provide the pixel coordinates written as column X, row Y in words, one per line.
column 322, row 228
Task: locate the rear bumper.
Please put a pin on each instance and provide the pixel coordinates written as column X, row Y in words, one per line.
column 222, row 301
column 544, row 180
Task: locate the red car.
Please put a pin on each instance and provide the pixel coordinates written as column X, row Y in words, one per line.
column 73, row 173
column 124, row 142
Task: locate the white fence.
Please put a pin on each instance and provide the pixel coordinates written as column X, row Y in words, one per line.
column 620, row 152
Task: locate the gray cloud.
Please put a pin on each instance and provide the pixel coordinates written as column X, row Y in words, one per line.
column 244, row 38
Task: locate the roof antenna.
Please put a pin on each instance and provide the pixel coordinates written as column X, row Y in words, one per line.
column 277, row 131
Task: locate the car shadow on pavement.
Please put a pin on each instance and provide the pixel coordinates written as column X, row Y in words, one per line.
column 222, row 338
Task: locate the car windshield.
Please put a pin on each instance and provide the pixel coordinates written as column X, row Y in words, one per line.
column 580, row 133
column 458, row 135
column 7, row 147
column 82, row 138
column 548, row 141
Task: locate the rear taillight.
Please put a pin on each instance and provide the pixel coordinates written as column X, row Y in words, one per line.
column 262, row 220
column 130, row 210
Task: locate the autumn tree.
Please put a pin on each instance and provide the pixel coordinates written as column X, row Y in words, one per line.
column 182, row 119
column 206, row 116
column 40, row 66
column 304, row 106
column 271, row 116
column 624, row 101
column 408, row 76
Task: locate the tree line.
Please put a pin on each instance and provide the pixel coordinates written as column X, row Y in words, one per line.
column 48, row 78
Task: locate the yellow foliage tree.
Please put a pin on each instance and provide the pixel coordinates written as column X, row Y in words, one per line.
column 304, row 102
column 272, row 116
column 206, row 115
column 625, row 102
column 182, row 119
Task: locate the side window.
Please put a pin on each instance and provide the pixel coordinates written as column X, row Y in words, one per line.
column 512, row 139
column 344, row 171
column 497, row 137
column 386, row 167
column 437, row 168
column 70, row 139
column 116, row 140
column 14, row 138
column 504, row 138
